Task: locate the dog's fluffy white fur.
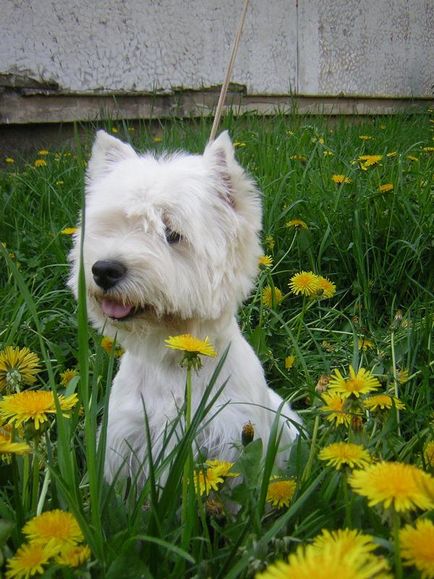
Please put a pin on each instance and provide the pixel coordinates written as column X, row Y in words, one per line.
column 171, row 246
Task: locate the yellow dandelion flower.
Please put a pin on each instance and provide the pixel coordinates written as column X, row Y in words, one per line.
column 385, row 188
column 29, row 560
column 34, row 405
column 280, row 492
column 296, row 224
column 222, row 468
column 114, row 130
column 18, row 367
column 289, row 362
column 57, row 527
column 67, row 376
column 270, row 242
column 73, row 556
column 417, row 546
column 382, row 402
column 8, row 446
column 365, row 344
column 300, row 158
column 393, row 484
column 157, row 139
column 265, row 260
column 392, row 154
column 69, row 230
column 188, row 343
column 43, row 153
column 428, row 454
column 336, row 409
column 40, row 163
column 9, row 160
column 328, row 562
column 271, row 296
column 360, row 382
column 371, row 159
column 365, row 137
column 340, row 179
column 326, row 288
column 412, row 158
column 304, row 283
column 345, row 540
column 239, row 144
column 337, row 380
column 428, row 149
column 107, row 344
column 207, row 480
column 341, row 454
column 367, row 161
column 328, row 153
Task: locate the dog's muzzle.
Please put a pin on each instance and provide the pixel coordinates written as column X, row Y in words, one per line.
column 107, row 273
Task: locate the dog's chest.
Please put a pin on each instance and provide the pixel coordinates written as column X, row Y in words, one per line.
column 142, row 386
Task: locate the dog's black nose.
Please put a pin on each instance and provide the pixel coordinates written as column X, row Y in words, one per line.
column 108, row 273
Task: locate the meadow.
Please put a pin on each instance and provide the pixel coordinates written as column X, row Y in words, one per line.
column 351, row 202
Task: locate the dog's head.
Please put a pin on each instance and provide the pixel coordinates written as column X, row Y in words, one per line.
column 167, row 238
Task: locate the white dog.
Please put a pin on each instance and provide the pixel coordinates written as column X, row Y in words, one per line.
column 171, row 246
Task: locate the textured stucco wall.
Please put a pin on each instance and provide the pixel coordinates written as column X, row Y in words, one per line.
column 311, row 47
column 145, row 45
column 370, row 47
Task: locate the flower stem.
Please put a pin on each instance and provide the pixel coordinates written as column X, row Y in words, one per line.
column 189, row 462
column 347, row 501
column 300, row 320
column 397, row 550
column 395, row 377
column 44, row 491
column 308, row 467
column 25, row 491
column 188, row 399
column 35, row 480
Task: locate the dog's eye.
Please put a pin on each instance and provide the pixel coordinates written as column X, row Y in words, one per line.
column 172, row 237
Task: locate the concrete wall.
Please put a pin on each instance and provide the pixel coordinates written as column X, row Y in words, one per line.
column 370, row 48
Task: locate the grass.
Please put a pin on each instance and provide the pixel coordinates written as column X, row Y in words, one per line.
column 375, row 245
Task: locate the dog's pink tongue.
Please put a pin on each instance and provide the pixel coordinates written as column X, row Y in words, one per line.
column 115, row 310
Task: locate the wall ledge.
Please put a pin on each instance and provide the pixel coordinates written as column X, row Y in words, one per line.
column 18, row 107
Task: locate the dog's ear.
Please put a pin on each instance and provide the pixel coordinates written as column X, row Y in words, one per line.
column 106, row 152
column 221, row 150
column 220, row 155
column 234, row 186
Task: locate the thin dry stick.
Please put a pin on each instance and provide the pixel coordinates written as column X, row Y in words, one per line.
column 228, row 75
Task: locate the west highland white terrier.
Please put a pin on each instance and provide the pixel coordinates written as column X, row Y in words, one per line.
column 171, row 246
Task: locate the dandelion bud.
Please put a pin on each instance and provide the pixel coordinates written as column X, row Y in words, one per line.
column 247, row 433
column 215, row 509
column 322, row 383
column 357, row 423
column 396, row 322
column 327, row 346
